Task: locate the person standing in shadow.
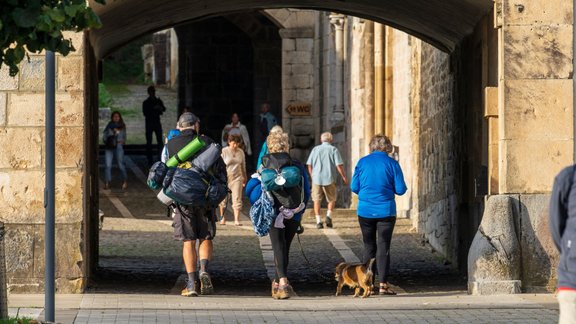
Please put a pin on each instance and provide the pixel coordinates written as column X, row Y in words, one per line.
column 152, row 108
column 114, row 139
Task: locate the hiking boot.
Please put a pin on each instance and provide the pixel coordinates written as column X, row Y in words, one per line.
column 191, row 289
column 275, row 289
column 329, row 222
column 319, row 226
column 285, row 292
column 206, row 287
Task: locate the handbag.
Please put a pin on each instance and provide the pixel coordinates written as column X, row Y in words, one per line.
column 262, row 214
column 111, row 142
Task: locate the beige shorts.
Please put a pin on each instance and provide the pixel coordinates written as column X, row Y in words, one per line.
column 318, row 192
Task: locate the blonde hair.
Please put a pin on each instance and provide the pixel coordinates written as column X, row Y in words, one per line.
column 276, row 129
column 380, row 143
column 278, row 142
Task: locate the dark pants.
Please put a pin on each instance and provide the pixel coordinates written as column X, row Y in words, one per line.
column 153, row 128
column 281, row 238
column 377, row 234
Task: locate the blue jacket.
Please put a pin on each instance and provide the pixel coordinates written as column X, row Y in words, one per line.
column 254, row 190
column 563, row 225
column 263, row 151
column 377, row 178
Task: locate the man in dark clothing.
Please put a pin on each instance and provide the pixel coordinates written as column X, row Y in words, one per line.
column 152, row 108
column 193, row 223
column 563, row 228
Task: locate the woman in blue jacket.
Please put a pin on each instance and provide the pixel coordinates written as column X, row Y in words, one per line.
column 114, row 139
column 281, row 238
column 377, row 178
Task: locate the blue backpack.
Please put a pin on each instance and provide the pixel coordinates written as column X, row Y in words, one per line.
column 283, row 179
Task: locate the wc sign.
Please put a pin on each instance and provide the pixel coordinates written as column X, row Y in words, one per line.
column 299, row 109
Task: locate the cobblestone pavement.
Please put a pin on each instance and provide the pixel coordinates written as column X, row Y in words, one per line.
column 139, row 257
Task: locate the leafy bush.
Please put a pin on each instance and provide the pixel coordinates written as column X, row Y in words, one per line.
column 126, row 65
column 104, row 97
column 33, row 26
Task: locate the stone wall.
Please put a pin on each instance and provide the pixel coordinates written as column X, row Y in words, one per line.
column 402, row 132
column 22, row 171
column 435, row 166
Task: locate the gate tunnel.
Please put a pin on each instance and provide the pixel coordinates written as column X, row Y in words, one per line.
column 124, row 20
column 127, row 20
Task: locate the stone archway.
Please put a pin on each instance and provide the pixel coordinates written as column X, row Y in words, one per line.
column 519, row 121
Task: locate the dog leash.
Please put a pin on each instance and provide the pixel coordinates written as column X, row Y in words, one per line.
column 314, row 268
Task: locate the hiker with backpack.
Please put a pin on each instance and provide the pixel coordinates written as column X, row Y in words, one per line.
column 195, row 221
column 278, row 200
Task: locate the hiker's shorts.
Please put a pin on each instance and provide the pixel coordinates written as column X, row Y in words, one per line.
column 318, row 192
column 194, row 223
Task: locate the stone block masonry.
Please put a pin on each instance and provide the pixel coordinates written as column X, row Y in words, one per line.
column 22, row 172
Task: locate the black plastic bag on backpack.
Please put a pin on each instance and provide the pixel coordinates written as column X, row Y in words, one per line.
column 192, row 188
column 156, row 175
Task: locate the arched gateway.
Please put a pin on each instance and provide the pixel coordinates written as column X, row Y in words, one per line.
column 491, row 116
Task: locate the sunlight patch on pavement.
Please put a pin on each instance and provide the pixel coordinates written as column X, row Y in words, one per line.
column 116, row 202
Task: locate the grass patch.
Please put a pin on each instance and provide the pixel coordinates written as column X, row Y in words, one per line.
column 128, row 112
column 16, row 320
column 116, row 89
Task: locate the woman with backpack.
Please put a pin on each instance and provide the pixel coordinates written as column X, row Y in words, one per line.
column 235, row 161
column 114, row 140
column 286, row 220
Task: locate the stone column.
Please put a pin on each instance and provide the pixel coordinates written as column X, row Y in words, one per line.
column 298, row 88
column 368, row 66
column 389, row 82
column 337, row 21
column 535, row 141
column 379, row 39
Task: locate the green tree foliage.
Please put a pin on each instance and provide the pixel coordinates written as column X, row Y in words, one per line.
column 36, row 25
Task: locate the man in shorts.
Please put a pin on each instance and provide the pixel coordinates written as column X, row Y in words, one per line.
column 323, row 162
column 194, row 223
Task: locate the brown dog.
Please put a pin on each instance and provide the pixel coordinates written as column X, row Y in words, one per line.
column 357, row 276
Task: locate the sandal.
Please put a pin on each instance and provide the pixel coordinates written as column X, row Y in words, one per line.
column 385, row 290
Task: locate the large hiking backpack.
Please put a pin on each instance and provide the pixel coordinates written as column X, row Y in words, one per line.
column 283, row 179
column 195, row 182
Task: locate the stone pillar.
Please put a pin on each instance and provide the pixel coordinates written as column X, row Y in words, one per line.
column 22, row 171
column 338, row 21
column 298, row 88
column 535, row 96
column 535, row 137
column 491, row 115
column 388, row 82
column 173, row 59
column 379, row 39
column 361, row 86
column 368, row 65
